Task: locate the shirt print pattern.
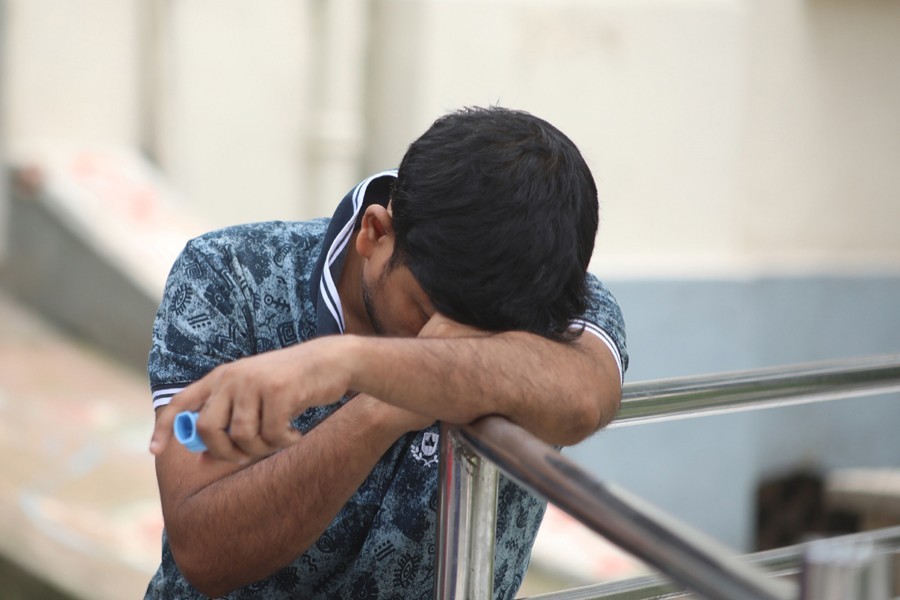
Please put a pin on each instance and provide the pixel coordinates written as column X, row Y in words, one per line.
column 244, row 290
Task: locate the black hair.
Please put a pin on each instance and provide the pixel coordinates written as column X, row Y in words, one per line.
column 495, row 213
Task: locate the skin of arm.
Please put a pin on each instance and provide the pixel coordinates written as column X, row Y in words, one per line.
column 559, row 391
column 232, row 524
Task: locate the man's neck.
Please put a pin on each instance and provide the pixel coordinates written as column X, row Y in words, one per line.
column 349, row 286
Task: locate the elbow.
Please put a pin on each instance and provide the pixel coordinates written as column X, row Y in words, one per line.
column 582, row 424
column 607, row 405
column 197, row 565
column 601, row 395
column 597, row 406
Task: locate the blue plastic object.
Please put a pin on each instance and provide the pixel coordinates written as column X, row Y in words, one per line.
column 186, row 431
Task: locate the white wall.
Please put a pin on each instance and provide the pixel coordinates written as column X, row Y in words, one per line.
column 821, row 136
column 71, row 72
column 723, row 134
column 750, row 135
column 650, row 90
column 233, row 105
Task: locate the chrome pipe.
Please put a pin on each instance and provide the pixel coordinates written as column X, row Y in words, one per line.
column 686, row 556
column 683, row 397
column 482, row 529
column 452, row 520
column 466, row 522
column 780, row 562
column 835, row 569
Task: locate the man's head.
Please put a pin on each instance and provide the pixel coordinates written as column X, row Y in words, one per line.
column 494, row 212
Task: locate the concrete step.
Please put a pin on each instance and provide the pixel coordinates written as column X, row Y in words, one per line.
column 78, row 500
column 91, row 237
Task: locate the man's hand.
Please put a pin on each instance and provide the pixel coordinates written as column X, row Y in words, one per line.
column 440, row 326
column 229, row 525
column 246, row 407
column 451, row 372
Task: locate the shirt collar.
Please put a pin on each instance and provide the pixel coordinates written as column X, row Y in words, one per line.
column 329, row 312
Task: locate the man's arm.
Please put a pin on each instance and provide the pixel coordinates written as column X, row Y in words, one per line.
column 561, row 392
column 230, row 525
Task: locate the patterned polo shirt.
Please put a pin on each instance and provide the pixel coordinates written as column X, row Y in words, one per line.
column 250, row 288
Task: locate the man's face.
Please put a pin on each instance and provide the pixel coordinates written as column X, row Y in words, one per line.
column 395, row 302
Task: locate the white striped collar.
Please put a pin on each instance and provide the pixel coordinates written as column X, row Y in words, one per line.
column 338, row 236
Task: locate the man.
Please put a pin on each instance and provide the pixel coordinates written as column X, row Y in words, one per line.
column 458, row 286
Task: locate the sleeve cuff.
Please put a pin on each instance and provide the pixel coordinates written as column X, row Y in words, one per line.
column 606, row 339
column 163, row 394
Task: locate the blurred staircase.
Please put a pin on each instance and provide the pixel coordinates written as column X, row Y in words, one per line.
column 79, row 511
column 91, row 236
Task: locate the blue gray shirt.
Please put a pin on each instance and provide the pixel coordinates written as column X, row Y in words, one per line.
column 251, row 288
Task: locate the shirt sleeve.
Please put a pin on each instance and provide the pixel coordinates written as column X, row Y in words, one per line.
column 603, row 319
column 200, row 323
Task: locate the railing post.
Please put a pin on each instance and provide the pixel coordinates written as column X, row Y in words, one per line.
column 466, row 522
column 836, row 569
column 654, row 401
column 472, row 457
column 687, row 556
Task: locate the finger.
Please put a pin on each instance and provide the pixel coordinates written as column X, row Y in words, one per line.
column 213, row 425
column 190, row 398
column 430, row 326
column 245, row 427
column 441, row 326
column 277, row 430
column 254, row 447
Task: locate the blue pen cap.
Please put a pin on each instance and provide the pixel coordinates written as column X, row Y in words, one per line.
column 186, row 431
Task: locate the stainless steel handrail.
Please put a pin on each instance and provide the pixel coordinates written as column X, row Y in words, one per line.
column 780, row 562
column 760, row 388
column 684, row 555
column 466, row 522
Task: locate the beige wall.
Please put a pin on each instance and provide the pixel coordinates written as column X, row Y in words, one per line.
column 650, row 91
column 727, row 136
column 216, row 91
column 71, row 72
column 820, row 145
column 233, row 105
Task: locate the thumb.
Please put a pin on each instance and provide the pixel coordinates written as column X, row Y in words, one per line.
column 162, row 431
column 191, row 398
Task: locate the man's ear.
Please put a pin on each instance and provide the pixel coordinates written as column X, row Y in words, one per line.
column 376, row 225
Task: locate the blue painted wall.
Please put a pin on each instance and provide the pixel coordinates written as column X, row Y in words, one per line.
column 705, row 470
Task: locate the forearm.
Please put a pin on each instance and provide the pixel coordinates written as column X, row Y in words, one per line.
column 558, row 391
column 561, row 392
column 244, row 527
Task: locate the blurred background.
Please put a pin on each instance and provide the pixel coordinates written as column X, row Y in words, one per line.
column 747, row 154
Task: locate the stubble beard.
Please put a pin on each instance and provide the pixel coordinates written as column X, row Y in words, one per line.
column 371, row 312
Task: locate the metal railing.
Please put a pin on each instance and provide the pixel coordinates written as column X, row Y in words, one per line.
column 786, row 562
column 473, row 456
